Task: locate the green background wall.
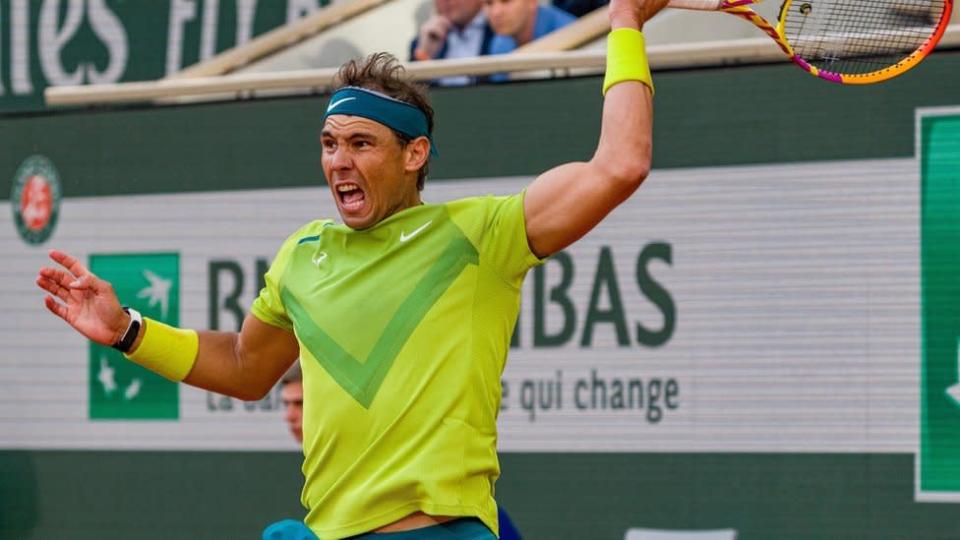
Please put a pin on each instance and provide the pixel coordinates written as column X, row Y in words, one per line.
column 163, row 495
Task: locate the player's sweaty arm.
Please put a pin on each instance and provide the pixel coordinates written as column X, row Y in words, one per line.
column 566, row 202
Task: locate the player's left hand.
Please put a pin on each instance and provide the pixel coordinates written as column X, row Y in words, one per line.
column 84, row 301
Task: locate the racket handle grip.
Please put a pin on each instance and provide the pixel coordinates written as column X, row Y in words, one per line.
column 700, row 5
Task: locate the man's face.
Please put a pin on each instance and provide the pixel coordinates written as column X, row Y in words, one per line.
column 367, row 170
column 460, row 12
column 292, row 396
column 508, row 17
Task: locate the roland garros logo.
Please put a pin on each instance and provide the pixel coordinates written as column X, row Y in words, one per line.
column 36, row 199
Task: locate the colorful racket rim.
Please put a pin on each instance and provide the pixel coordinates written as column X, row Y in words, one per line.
column 861, row 41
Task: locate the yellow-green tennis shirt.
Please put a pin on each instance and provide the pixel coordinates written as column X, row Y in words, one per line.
column 404, row 329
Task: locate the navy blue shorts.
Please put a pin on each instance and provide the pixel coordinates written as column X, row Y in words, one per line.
column 458, row 529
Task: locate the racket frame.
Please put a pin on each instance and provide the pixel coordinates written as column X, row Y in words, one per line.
column 742, row 9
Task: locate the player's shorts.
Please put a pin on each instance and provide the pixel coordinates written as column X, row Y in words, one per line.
column 458, row 529
column 288, row 529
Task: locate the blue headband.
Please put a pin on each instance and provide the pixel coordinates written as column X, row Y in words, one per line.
column 393, row 113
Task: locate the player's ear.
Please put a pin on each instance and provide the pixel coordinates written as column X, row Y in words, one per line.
column 416, row 153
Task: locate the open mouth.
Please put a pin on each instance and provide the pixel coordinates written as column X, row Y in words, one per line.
column 351, row 196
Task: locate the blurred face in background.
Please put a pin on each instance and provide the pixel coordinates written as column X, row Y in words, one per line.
column 459, row 12
column 292, row 396
column 511, row 17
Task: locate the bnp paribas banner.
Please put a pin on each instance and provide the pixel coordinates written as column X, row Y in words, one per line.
column 70, row 42
column 800, row 307
column 119, row 389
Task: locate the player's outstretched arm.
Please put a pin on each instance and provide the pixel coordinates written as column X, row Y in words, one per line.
column 243, row 365
column 566, row 202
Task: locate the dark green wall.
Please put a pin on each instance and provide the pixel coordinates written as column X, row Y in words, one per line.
column 763, row 496
column 145, row 495
column 231, row 495
column 708, row 117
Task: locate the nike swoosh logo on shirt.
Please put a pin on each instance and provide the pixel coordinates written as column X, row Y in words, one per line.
column 333, row 105
column 404, row 237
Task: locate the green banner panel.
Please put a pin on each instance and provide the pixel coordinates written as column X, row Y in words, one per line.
column 120, row 389
column 940, row 388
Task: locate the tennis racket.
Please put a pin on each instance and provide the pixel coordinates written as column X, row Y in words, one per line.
column 847, row 41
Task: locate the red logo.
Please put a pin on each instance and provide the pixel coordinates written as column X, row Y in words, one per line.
column 36, row 203
column 35, row 199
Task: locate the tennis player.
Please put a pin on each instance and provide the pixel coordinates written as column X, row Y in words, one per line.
column 402, row 314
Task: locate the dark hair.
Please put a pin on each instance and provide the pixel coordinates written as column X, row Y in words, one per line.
column 382, row 72
column 293, row 374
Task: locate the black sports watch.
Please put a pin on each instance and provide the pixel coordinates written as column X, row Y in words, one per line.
column 126, row 341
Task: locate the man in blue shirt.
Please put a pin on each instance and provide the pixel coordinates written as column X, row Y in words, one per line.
column 518, row 22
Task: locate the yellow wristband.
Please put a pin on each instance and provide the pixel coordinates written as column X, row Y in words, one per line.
column 626, row 59
column 166, row 350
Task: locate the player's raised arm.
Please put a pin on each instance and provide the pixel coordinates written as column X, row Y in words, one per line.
column 243, row 365
column 566, row 202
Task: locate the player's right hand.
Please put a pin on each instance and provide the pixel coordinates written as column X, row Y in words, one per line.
column 86, row 302
column 633, row 13
column 433, row 33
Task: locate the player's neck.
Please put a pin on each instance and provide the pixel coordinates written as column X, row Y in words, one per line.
column 408, row 202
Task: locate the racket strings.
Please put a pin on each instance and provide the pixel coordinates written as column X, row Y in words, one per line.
column 860, row 36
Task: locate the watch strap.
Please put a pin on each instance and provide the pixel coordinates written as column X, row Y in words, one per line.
column 125, row 343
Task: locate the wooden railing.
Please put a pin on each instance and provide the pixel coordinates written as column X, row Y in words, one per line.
column 727, row 52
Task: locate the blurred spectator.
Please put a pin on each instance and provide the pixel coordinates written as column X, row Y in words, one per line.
column 508, row 531
column 458, row 29
column 518, row 22
column 291, row 392
column 579, row 8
